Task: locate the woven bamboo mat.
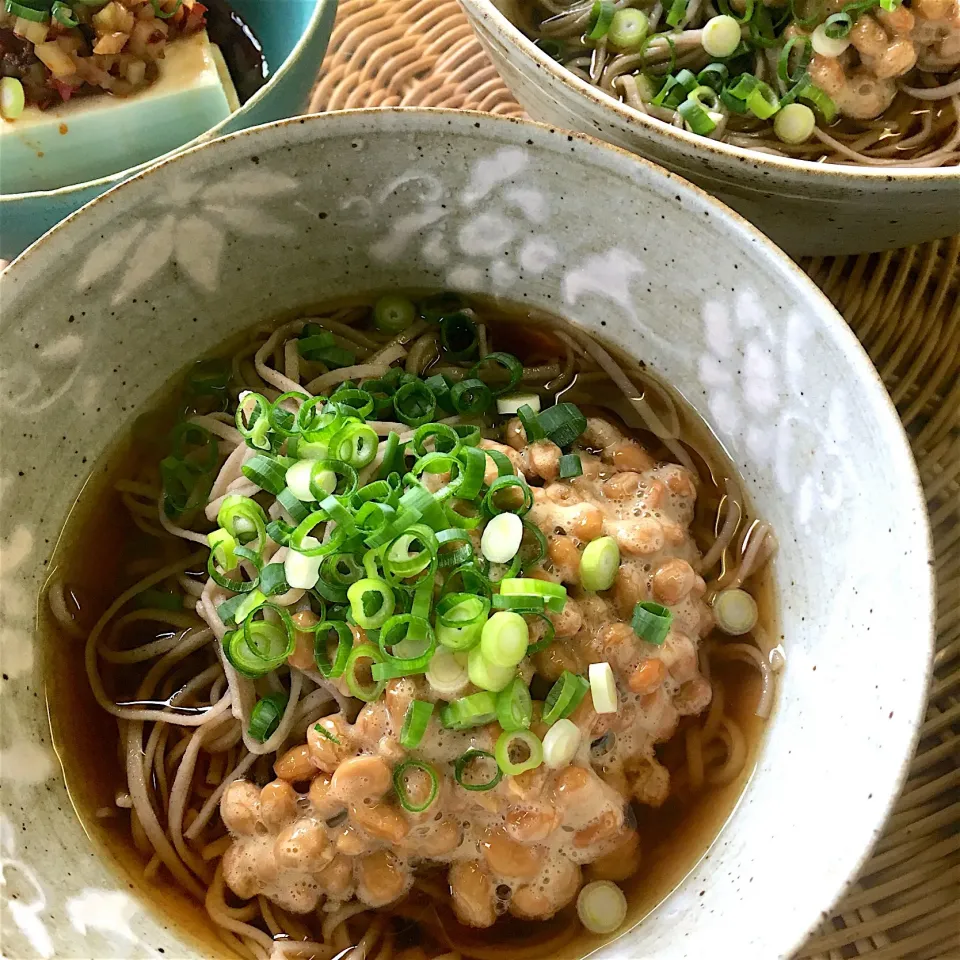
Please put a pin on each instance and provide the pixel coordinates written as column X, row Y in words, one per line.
column 904, row 305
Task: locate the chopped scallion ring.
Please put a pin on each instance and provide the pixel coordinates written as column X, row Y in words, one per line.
column 469, row 712
column 720, row 36
column 603, row 688
column 447, row 673
column 530, row 423
column 570, row 466
column 599, row 564
column 504, row 639
column 415, row 723
column 601, row 16
column 509, row 404
column 368, row 692
column 514, row 706
column 560, row 744
column 601, row 906
column 501, row 538
column 502, row 496
column 651, row 621
column 393, row 314
column 334, row 666
column 736, row 611
column 518, row 751
column 628, row 30
column 564, row 423
column 404, row 790
column 564, row 697
column 266, row 715
column 486, row 675
column 470, row 759
column 554, row 595
column 372, row 603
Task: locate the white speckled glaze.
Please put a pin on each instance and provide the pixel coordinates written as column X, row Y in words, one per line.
column 170, row 264
column 807, row 208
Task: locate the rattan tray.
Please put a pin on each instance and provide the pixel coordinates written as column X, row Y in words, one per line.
column 904, row 305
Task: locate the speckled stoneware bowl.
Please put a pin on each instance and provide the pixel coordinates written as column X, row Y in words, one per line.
column 294, row 35
column 807, row 208
column 104, row 309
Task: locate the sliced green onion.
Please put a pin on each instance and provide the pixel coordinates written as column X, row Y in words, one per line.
column 260, row 646
column 460, row 620
column 28, row 13
column 721, row 36
column 64, row 14
column 794, row 123
column 301, row 571
column 838, row 25
column 414, row 403
column 554, row 594
column 268, row 473
column 736, row 611
column 392, row 457
column 403, row 791
column 412, row 554
column 564, row 423
column 570, row 466
column 415, row 723
column 486, row 675
column 501, row 461
column 651, row 621
column 445, row 439
column 302, row 542
column 564, row 697
column 628, row 30
column 366, row 692
column 514, row 706
column 158, row 10
column 355, row 444
column 415, row 630
column 447, row 672
column 602, row 907
column 603, row 688
column 469, row 433
column 493, row 501
column 509, row 405
column 460, row 547
column 820, row 102
column 531, row 555
column 519, row 604
column 471, row 579
column 714, row 75
column 297, row 510
column 466, row 761
column 434, row 308
column 372, row 603
column 531, row 423
column 696, row 117
column 482, row 370
column 12, row 98
column 393, row 313
column 266, row 715
column 599, row 564
column 504, row 639
column 501, row 538
column 439, row 385
column 522, row 744
column 762, row 101
column 601, row 16
column 253, row 420
column 676, row 13
column 458, row 334
column 273, row 580
column 470, row 396
column 748, row 11
column 560, row 744
column 329, row 666
column 549, row 632
column 469, row 712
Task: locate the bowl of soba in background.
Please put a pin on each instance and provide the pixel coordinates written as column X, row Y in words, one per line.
column 541, row 629
column 857, row 148
column 230, row 64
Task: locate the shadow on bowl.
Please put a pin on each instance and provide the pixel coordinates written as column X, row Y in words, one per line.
column 293, row 35
column 807, row 208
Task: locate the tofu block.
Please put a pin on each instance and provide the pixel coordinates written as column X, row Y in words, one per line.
column 93, row 136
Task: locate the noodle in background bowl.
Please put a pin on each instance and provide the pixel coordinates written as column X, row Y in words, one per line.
column 807, row 208
column 294, row 35
column 104, row 310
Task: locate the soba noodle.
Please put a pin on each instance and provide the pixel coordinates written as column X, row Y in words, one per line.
column 155, row 658
column 877, row 82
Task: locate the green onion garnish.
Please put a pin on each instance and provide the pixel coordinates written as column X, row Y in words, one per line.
column 368, row 692
column 468, row 712
column 333, row 666
column 27, row 12
column 393, row 314
column 678, row 10
column 266, row 715
column 564, row 697
column 63, row 13
column 415, row 723
column 838, row 25
column 471, row 396
column 599, row 564
column 514, row 706
column 468, row 760
column 523, row 745
column 570, row 466
column 490, row 375
column 554, row 595
column 458, row 334
column 564, row 423
column 651, row 621
column 158, row 10
column 260, row 646
column 402, row 788
column 414, row 403
column 601, row 16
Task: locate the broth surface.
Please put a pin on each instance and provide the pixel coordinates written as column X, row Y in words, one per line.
column 102, row 551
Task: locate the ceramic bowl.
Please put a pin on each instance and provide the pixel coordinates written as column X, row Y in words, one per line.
column 807, row 208
column 293, row 43
column 323, row 207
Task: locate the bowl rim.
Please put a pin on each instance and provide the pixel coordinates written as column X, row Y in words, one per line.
column 110, row 179
column 488, row 10
column 863, row 368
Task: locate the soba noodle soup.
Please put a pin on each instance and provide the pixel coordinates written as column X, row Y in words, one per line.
column 872, row 82
column 432, row 629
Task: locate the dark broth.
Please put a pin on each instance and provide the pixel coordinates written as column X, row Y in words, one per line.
column 99, row 543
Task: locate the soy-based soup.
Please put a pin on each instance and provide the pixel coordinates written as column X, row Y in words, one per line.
column 475, row 662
